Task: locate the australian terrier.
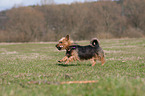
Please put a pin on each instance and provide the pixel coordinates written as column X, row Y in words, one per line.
column 75, row 52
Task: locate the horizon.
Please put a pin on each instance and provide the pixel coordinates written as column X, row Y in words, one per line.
column 8, row 4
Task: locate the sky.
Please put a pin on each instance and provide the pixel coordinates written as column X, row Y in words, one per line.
column 7, row 4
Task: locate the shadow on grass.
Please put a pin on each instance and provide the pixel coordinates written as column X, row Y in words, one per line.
column 67, row 65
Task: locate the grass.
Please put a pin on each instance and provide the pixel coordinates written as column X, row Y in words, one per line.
column 122, row 75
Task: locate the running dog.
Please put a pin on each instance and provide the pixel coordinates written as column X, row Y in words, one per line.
column 75, row 52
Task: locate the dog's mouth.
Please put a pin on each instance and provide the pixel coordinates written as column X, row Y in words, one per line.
column 59, row 47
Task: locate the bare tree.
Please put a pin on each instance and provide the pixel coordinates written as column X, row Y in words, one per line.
column 25, row 24
column 134, row 12
column 102, row 19
column 47, row 2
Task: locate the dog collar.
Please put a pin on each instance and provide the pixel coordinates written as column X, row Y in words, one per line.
column 73, row 47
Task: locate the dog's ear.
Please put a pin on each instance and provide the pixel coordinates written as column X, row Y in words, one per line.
column 67, row 37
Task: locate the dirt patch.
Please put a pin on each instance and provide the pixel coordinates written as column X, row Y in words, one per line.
column 4, row 51
column 113, row 51
column 124, row 59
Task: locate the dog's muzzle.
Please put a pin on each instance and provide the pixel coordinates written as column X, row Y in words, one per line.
column 59, row 47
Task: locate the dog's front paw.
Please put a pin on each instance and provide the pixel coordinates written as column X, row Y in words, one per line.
column 66, row 62
column 59, row 61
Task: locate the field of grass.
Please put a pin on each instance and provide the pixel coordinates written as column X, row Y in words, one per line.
column 122, row 75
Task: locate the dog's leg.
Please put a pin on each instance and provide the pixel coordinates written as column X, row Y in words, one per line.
column 63, row 59
column 70, row 59
column 102, row 60
column 93, row 61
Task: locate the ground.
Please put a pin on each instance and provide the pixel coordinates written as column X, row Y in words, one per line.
column 123, row 74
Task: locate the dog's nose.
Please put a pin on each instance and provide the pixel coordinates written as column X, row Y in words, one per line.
column 56, row 45
column 59, row 48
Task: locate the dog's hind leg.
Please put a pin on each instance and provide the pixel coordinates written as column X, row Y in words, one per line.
column 102, row 60
column 93, row 61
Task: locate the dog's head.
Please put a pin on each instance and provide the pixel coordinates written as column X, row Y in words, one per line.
column 64, row 42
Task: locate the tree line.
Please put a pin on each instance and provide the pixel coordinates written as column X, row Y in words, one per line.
column 83, row 21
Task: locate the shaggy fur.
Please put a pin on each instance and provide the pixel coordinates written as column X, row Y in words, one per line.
column 91, row 52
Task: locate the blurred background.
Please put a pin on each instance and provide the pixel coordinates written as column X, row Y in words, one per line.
column 49, row 20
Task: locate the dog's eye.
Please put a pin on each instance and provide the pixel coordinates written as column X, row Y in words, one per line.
column 60, row 42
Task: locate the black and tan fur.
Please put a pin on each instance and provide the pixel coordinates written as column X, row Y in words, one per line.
column 75, row 52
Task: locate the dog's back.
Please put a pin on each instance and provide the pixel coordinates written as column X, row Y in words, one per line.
column 86, row 52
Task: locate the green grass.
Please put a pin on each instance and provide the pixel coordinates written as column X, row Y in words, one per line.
column 122, row 75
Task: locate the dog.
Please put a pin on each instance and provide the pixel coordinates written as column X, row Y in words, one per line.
column 75, row 52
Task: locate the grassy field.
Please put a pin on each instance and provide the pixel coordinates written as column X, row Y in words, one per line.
column 122, row 75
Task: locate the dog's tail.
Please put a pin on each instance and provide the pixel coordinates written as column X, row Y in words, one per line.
column 95, row 42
